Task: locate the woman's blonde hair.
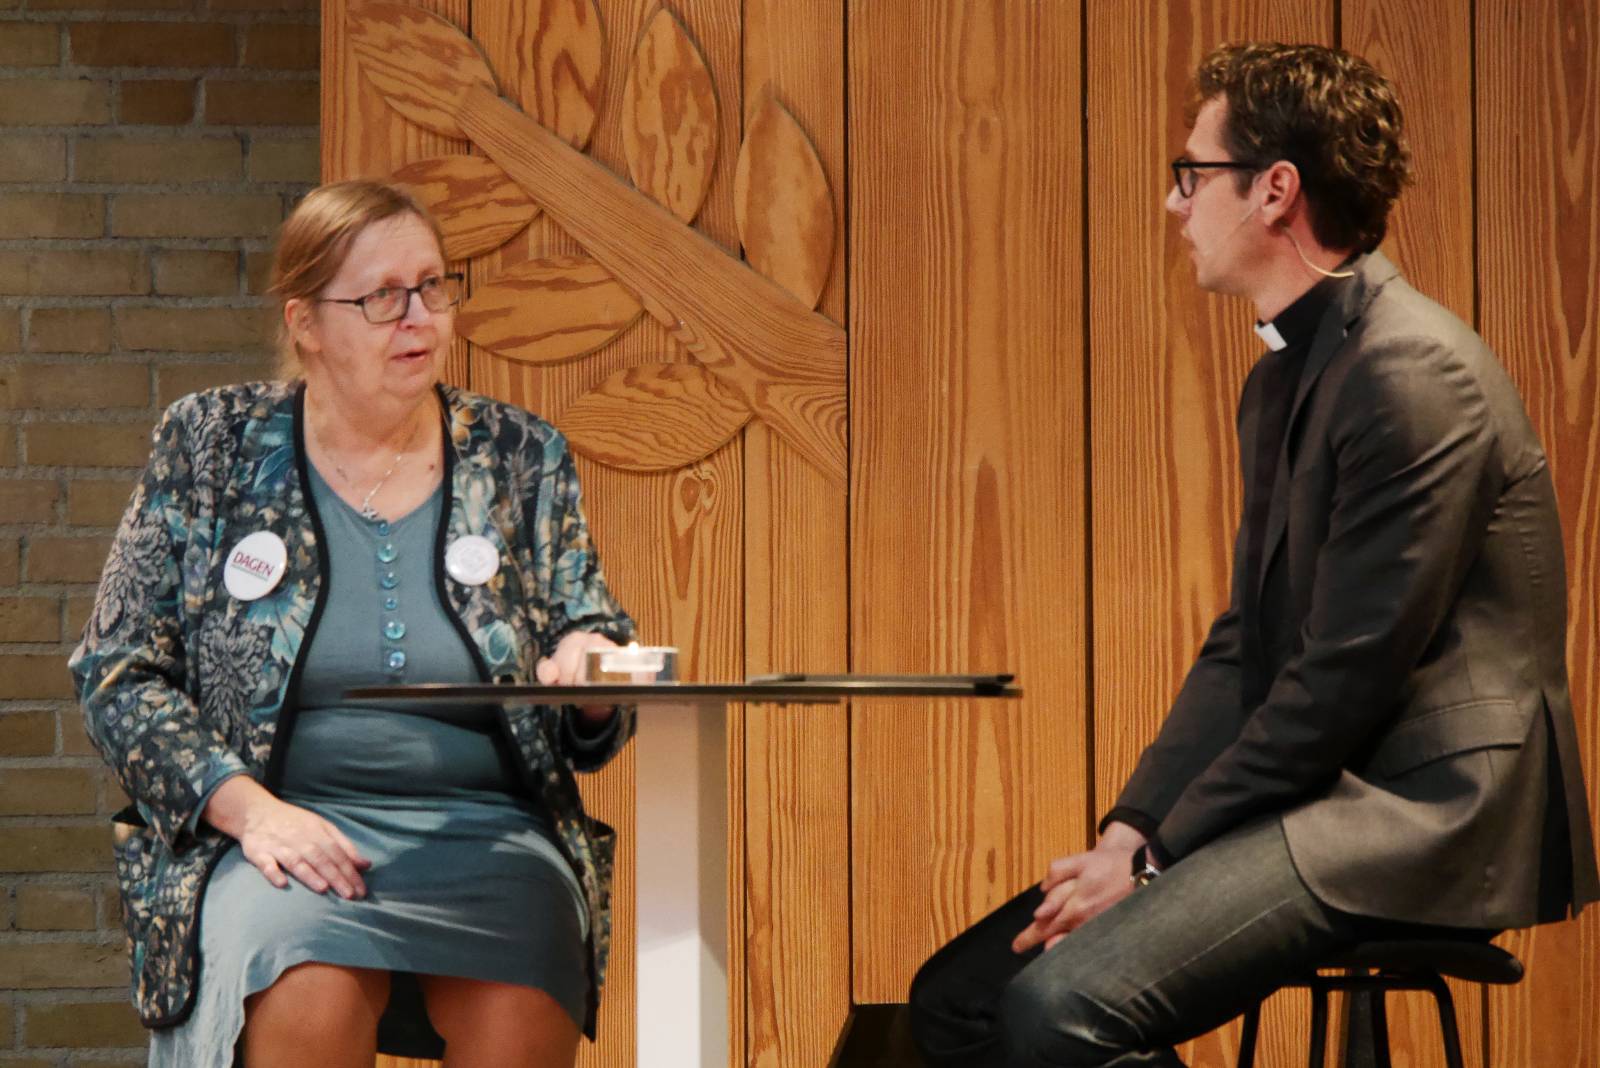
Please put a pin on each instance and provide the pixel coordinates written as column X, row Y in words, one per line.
column 315, row 240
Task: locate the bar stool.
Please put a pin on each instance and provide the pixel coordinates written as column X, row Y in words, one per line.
column 1379, row 967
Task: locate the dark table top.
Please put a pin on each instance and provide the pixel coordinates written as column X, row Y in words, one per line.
column 778, row 689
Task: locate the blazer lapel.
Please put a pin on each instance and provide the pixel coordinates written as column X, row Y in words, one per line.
column 1372, row 272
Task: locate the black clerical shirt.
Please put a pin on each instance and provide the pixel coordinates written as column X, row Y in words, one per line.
column 1288, row 337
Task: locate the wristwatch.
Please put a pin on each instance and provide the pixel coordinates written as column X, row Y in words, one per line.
column 1144, row 872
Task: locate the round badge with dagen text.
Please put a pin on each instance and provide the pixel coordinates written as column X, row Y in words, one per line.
column 255, row 566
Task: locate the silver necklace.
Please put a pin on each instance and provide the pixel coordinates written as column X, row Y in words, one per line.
column 368, row 512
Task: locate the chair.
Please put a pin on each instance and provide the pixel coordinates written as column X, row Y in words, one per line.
column 1379, row 967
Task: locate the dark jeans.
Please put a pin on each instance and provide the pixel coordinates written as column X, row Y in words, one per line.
column 1216, row 933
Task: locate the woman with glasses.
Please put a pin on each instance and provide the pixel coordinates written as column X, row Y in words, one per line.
column 308, row 879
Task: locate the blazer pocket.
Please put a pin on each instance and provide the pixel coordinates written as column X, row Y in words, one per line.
column 1482, row 724
column 134, row 850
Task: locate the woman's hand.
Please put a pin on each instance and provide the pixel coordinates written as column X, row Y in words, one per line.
column 280, row 838
column 568, row 666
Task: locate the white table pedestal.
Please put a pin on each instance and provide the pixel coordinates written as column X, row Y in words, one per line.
column 681, row 848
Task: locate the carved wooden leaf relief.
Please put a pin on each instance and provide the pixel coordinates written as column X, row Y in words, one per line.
column 669, row 117
column 654, row 417
column 562, row 43
column 478, row 206
column 782, row 202
column 420, row 63
column 548, row 310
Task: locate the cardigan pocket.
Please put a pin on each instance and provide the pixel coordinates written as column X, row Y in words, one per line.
column 133, row 852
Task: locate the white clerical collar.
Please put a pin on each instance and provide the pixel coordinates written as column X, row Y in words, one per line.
column 1269, row 333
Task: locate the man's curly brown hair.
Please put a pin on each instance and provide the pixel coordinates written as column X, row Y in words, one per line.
column 1330, row 114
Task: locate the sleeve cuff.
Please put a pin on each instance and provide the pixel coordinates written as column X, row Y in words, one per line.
column 1139, row 821
column 594, row 739
column 1157, row 852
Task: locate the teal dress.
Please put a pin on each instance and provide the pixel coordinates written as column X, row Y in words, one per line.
column 465, row 879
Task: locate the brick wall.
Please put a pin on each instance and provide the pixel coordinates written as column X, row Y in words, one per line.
column 148, row 149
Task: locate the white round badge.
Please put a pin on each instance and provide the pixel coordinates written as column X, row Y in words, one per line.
column 472, row 560
column 255, row 565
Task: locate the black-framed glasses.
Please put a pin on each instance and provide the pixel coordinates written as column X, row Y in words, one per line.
column 388, row 303
column 1186, row 172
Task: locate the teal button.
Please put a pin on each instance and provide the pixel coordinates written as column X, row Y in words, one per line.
column 387, row 554
column 389, row 580
column 383, row 527
column 395, row 661
column 394, row 630
column 391, row 603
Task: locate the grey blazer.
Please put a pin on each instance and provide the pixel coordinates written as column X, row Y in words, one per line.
column 1417, row 740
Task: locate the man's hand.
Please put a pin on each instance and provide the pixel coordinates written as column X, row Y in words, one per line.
column 1079, row 887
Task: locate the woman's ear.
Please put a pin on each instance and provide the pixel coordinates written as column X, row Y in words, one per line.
column 300, row 320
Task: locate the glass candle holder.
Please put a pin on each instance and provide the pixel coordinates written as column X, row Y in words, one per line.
column 633, row 665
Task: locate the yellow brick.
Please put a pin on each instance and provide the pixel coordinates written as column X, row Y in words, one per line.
column 180, row 380
column 7, row 1035
column 156, row 103
column 30, row 619
column 51, row 215
column 192, row 329
column 78, row 610
column 65, row 965
column 87, row 444
column 48, row 791
column 30, row 158
column 282, row 46
column 33, row 677
column 28, row 733
column 196, row 273
column 151, row 44
column 262, row 5
column 110, row 907
column 110, row 5
column 30, row 500
column 235, row 102
column 94, row 1025
column 41, row 907
column 66, row 559
column 10, row 329
column 134, row 161
column 64, row 385
column 97, row 502
column 257, row 272
column 285, row 159
column 69, row 330
column 76, row 273
column 197, row 215
column 55, row 102
column 10, row 561
column 30, row 44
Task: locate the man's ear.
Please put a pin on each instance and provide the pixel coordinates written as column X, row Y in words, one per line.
column 1281, row 184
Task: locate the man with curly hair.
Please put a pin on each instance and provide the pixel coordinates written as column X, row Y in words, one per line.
column 1376, row 739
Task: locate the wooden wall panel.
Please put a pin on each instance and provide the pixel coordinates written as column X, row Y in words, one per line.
column 797, row 838
column 1167, row 362
column 967, row 467
column 1538, row 107
column 671, row 542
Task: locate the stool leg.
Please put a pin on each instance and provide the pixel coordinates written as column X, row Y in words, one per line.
column 1247, row 1038
column 1380, row 1029
column 1447, row 1022
column 1319, row 1025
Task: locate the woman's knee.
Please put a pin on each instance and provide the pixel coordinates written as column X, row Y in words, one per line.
column 317, row 1002
column 521, row 1023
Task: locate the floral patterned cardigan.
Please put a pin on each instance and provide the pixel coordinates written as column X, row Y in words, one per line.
column 183, row 685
